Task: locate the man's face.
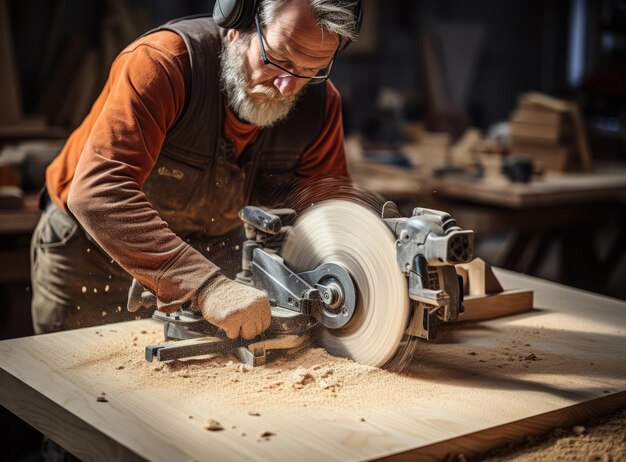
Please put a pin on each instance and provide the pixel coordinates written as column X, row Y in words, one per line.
column 263, row 94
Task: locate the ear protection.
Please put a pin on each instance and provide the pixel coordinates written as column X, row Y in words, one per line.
column 235, row 14
column 239, row 14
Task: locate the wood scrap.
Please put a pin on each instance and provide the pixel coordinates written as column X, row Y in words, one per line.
column 550, row 131
column 484, row 297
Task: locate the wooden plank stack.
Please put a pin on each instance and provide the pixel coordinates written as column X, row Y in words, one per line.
column 551, row 132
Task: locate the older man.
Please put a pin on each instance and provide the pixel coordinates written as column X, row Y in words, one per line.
column 194, row 122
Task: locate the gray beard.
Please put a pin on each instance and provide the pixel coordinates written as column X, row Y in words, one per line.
column 235, row 81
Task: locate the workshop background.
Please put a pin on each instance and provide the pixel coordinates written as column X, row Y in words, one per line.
column 439, row 98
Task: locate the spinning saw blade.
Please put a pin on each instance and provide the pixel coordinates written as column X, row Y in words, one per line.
column 353, row 236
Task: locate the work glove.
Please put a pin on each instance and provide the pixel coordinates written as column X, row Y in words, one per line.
column 238, row 309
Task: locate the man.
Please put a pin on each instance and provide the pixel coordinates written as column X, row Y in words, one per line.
column 194, row 122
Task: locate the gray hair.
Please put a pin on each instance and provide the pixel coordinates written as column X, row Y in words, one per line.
column 337, row 17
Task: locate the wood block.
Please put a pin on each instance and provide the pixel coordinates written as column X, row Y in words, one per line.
column 547, row 158
column 535, row 116
column 434, row 151
column 463, row 152
column 491, row 306
column 536, row 133
column 571, row 123
column 481, row 279
column 492, row 164
column 542, row 102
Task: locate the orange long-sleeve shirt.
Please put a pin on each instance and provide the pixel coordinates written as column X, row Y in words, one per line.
column 100, row 171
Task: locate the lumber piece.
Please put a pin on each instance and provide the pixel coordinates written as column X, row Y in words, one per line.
column 478, row 277
column 454, row 397
column 484, row 296
column 505, row 303
column 546, row 122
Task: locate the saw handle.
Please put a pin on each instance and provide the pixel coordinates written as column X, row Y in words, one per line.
column 260, row 219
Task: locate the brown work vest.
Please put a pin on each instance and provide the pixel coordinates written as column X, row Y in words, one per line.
column 196, row 185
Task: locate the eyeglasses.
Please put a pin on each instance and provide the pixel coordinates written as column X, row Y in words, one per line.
column 319, row 77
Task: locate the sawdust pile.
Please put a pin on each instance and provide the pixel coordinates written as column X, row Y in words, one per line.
column 312, row 378
column 601, row 440
column 313, row 381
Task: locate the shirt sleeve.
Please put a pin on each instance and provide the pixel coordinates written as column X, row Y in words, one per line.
column 145, row 96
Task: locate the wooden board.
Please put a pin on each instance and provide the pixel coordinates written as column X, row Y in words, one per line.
column 552, row 189
column 505, row 303
column 456, row 401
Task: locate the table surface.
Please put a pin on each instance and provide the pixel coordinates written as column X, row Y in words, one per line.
column 453, row 398
column 554, row 189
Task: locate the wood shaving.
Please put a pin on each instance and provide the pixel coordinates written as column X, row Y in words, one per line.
column 213, row 426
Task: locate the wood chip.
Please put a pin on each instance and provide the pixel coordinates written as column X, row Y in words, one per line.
column 265, row 436
column 213, row 426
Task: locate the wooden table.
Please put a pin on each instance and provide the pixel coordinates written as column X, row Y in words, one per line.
column 579, row 340
column 570, row 212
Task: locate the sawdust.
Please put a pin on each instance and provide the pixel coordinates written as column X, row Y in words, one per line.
column 601, row 440
column 313, row 380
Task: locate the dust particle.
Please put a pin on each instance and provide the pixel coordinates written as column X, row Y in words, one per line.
column 84, row 289
column 106, row 288
column 254, row 413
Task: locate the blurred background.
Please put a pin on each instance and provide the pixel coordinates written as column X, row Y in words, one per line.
column 509, row 115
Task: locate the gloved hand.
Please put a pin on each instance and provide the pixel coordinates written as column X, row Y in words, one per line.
column 238, row 309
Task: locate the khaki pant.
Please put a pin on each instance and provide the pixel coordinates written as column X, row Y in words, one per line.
column 76, row 284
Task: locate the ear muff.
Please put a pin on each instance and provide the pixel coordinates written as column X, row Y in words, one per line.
column 234, row 14
column 358, row 12
column 239, row 14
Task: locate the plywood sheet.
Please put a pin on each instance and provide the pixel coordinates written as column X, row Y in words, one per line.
column 481, row 385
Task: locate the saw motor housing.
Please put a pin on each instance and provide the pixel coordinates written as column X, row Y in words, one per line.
column 428, row 245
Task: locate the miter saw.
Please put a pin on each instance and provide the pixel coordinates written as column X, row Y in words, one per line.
column 363, row 286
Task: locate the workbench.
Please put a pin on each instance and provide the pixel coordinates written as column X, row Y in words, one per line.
column 571, row 367
column 570, row 212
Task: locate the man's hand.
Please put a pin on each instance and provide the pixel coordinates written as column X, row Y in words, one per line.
column 238, row 309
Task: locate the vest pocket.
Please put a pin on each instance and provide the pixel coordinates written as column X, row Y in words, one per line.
column 172, row 183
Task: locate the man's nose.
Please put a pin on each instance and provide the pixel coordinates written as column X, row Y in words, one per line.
column 286, row 84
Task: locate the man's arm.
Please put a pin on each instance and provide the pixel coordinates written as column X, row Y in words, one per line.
column 145, row 97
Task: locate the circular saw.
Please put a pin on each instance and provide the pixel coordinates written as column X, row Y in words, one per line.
column 363, row 286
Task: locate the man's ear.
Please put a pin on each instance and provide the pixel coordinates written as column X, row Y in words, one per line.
column 232, row 35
